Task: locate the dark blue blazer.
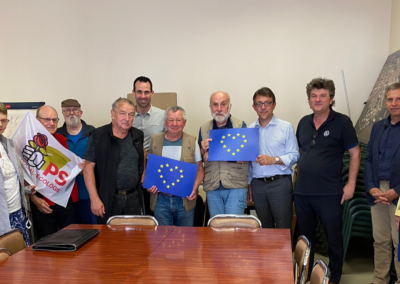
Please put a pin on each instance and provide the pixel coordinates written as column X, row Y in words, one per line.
column 371, row 178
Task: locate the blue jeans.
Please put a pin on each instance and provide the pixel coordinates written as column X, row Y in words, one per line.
column 227, row 201
column 171, row 212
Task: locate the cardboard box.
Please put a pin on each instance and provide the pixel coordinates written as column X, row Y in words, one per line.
column 160, row 100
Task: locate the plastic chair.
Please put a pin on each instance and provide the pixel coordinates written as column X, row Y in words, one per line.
column 132, row 220
column 13, row 241
column 234, row 221
column 320, row 273
column 353, row 210
column 348, row 204
column 301, row 260
column 359, row 225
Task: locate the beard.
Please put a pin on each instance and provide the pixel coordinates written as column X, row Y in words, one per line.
column 219, row 118
column 73, row 120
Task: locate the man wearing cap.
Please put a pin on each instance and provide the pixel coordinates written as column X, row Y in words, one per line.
column 148, row 118
column 77, row 133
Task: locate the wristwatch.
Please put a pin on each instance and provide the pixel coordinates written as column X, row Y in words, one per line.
column 276, row 160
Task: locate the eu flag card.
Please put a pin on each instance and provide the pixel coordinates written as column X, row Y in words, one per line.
column 170, row 176
column 233, row 144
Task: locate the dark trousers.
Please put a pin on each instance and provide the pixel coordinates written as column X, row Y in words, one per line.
column 273, row 201
column 47, row 224
column 126, row 204
column 329, row 210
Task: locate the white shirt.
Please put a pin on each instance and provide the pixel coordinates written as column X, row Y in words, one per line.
column 173, row 150
column 11, row 184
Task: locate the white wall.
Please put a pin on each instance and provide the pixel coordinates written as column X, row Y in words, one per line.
column 394, row 44
column 92, row 50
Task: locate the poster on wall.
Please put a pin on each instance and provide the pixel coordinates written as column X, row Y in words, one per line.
column 16, row 112
column 375, row 109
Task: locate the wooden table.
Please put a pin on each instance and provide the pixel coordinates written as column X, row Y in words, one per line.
column 163, row 254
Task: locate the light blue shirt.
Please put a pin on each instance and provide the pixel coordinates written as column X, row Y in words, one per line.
column 277, row 139
column 152, row 122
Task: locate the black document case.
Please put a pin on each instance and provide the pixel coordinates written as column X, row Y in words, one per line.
column 66, row 240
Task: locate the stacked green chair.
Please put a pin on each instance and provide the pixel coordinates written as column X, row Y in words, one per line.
column 356, row 212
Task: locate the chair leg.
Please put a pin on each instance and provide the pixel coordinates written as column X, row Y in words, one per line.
column 205, row 214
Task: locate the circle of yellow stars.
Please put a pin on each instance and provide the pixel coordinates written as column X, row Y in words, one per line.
column 169, row 168
column 233, row 137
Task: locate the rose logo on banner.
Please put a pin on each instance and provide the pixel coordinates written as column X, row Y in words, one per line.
column 50, row 161
column 46, row 163
column 34, row 153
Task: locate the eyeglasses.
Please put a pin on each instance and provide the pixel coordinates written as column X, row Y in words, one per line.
column 313, row 142
column 4, row 121
column 69, row 110
column 266, row 104
column 47, row 120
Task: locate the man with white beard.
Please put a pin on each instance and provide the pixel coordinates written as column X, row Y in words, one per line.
column 224, row 182
column 77, row 133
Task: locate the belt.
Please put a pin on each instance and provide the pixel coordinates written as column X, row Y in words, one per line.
column 272, row 178
column 167, row 194
column 125, row 192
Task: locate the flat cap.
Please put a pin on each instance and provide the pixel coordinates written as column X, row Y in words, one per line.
column 70, row 103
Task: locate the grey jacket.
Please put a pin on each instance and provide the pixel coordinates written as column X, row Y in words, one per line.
column 4, row 216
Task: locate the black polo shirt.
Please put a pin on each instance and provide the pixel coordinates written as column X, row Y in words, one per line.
column 320, row 166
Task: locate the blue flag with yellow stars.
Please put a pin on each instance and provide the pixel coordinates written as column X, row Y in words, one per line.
column 170, row 176
column 233, row 144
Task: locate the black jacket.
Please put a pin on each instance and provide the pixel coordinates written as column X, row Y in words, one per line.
column 107, row 155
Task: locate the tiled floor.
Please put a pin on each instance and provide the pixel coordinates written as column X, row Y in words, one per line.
column 359, row 264
column 358, row 267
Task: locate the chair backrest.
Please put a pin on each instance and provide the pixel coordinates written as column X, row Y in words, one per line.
column 132, row 220
column 13, row 241
column 301, row 259
column 320, row 273
column 234, row 221
column 4, row 254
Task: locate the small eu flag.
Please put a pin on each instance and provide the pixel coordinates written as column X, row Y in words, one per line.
column 233, row 144
column 170, row 176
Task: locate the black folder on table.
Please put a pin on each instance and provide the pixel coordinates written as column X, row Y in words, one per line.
column 66, row 240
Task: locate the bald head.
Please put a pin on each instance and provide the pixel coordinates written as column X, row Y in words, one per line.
column 48, row 117
column 220, row 106
column 220, row 94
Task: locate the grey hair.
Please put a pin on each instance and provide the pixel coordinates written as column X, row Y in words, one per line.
column 121, row 100
column 174, row 109
column 38, row 110
column 392, row 87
